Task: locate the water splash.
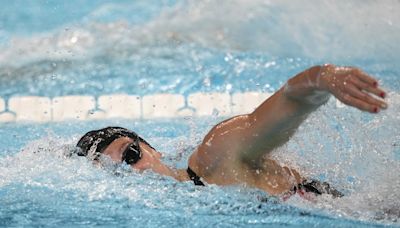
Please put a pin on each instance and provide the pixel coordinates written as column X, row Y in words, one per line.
column 313, row 29
column 284, row 29
column 354, row 151
column 349, row 149
column 364, row 165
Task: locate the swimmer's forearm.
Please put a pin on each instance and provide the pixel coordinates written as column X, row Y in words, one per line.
column 277, row 118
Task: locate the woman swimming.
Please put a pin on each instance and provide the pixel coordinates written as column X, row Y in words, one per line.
column 236, row 151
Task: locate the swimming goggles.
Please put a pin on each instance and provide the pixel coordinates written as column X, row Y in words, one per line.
column 132, row 153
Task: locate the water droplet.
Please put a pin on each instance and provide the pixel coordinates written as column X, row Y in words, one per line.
column 228, row 57
column 73, row 39
column 228, row 87
column 269, row 64
column 207, row 82
column 199, row 68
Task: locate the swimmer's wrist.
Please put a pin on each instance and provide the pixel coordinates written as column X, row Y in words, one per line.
column 318, row 82
column 322, row 77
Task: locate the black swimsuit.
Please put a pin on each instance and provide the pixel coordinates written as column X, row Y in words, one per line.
column 313, row 186
column 317, row 188
column 193, row 176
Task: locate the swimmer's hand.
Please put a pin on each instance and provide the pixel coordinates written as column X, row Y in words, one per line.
column 352, row 86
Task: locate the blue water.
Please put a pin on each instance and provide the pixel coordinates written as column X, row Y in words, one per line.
column 49, row 48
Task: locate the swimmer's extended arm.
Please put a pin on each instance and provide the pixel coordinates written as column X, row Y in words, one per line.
column 277, row 118
column 247, row 138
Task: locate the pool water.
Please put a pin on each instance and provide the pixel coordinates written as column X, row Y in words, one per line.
column 51, row 49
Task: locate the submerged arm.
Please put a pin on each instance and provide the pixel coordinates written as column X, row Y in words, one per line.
column 247, row 138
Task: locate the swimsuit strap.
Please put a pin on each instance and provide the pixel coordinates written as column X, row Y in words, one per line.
column 312, row 186
column 319, row 188
column 193, row 176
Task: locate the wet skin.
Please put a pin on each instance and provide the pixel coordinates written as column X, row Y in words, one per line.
column 236, row 151
column 151, row 159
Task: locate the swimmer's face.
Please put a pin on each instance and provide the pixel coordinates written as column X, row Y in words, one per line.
column 150, row 158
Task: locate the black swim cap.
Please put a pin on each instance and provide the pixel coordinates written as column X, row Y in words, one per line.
column 93, row 143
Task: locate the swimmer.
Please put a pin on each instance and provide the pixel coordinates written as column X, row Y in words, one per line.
column 237, row 150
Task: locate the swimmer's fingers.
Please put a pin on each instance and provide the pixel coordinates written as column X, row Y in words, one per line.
column 364, row 77
column 367, row 87
column 358, row 103
column 375, row 104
